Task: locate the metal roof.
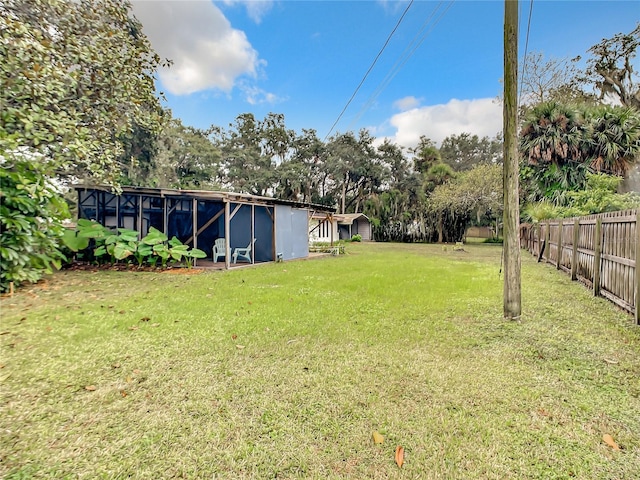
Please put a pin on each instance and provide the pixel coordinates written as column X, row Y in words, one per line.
column 208, row 195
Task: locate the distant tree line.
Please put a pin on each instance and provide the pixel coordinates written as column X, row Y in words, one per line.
column 79, row 104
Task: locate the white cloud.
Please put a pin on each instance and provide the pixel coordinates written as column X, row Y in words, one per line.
column 480, row 117
column 256, row 9
column 207, row 53
column 256, row 96
column 406, row 103
column 393, row 6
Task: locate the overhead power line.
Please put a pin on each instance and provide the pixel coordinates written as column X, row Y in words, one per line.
column 408, row 52
column 526, row 48
column 369, row 70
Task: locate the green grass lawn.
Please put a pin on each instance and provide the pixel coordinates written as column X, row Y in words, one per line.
column 284, row 371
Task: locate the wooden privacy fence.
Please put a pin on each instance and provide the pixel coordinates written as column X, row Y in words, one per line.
column 602, row 251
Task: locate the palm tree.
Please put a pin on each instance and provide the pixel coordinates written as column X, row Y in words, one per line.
column 553, row 133
column 553, row 142
column 615, row 139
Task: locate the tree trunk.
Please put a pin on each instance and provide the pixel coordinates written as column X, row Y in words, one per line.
column 343, row 196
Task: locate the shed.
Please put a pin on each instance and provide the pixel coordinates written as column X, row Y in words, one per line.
column 199, row 217
column 350, row 224
column 324, row 227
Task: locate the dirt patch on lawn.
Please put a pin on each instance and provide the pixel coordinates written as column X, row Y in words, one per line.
column 128, row 267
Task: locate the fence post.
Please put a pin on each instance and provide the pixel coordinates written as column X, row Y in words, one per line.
column 559, row 249
column 637, row 272
column 574, row 253
column 596, row 257
column 547, row 239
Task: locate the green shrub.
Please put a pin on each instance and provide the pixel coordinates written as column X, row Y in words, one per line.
column 31, row 215
column 493, row 240
column 122, row 244
column 356, row 238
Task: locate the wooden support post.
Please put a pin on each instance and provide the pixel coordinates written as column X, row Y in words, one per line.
column 194, row 217
column 637, row 268
column 559, row 249
column 227, row 222
column 547, row 242
column 165, row 216
column 596, row 257
column 253, row 233
column 574, row 253
column 511, row 297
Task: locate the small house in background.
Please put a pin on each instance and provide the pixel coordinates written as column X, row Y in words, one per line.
column 269, row 228
column 330, row 227
column 479, row 232
column 350, row 224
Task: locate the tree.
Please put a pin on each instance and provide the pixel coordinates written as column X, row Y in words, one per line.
column 561, row 144
column 552, row 142
column 75, row 78
column 186, row 158
column 464, row 151
column 425, row 154
column 552, row 80
column 355, row 169
column 614, row 144
column 247, row 165
column 610, row 68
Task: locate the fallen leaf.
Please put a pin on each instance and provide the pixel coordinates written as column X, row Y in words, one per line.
column 608, row 439
column 155, row 324
column 123, row 393
column 239, row 347
column 121, row 312
column 90, row 388
column 115, row 365
column 145, row 319
column 135, row 327
column 399, row 456
column 136, row 370
column 234, row 336
column 377, row 438
column 128, row 379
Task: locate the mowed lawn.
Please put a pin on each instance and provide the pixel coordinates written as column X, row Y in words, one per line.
column 285, row 370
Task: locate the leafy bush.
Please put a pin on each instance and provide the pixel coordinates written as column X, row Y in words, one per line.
column 356, row 238
column 31, row 215
column 599, row 195
column 121, row 244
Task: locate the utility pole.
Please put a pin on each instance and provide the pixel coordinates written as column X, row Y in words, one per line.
column 511, row 247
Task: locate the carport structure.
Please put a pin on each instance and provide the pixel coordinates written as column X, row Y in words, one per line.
column 279, row 228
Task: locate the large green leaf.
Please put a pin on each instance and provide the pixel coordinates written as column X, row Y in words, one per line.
column 154, row 237
column 196, row 253
column 74, row 242
column 123, row 250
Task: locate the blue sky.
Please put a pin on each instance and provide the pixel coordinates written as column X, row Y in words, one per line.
column 439, row 74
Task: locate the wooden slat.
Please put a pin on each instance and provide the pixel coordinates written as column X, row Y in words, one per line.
column 601, row 251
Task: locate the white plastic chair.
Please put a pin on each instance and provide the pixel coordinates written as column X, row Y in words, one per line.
column 244, row 253
column 219, row 249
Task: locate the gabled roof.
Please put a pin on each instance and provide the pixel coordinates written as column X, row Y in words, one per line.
column 349, row 218
column 339, row 218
